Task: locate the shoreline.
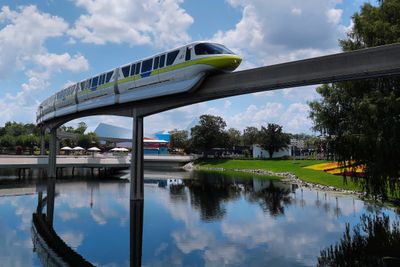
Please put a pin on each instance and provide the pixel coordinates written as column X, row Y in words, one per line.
column 286, row 177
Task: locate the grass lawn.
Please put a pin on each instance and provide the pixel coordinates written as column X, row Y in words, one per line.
column 292, row 166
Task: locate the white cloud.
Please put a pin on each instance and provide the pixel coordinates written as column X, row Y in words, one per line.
column 278, row 31
column 159, row 22
column 22, row 48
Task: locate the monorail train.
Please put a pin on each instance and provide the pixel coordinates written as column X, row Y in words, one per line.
column 170, row 72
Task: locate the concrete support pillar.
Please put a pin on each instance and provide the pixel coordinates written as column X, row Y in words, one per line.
column 51, row 194
column 42, row 143
column 52, row 154
column 137, row 160
column 136, row 232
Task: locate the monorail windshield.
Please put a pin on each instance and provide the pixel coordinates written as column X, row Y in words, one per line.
column 211, row 49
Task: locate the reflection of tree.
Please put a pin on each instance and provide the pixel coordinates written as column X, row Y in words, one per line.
column 374, row 243
column 272, row 199
column 208, row 191
column 177, row 193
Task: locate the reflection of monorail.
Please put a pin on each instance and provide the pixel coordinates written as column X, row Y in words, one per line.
column 171, row 72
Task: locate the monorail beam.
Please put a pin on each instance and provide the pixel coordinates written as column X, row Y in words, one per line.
column 360, row 64
column 52, row 154
column 137, row 180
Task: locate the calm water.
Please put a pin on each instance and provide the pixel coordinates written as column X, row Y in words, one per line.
column 206, row 219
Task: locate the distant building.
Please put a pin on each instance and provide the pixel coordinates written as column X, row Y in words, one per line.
column 258, row 152
column 122, row 137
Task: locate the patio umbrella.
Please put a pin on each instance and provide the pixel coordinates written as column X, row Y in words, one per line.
column 66, row 148
column 94, row 149
column 78, row 148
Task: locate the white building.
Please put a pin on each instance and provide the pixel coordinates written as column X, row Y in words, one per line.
column 258, row 152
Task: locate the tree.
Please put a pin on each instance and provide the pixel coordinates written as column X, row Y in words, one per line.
column 209, row 133
column 179, row 139
column 7, row 140
column 272, row 139
column 361, row 118
column 88, row 140
column 81, row 128
column 250, row 136
column 374, row 242
column 233, row 138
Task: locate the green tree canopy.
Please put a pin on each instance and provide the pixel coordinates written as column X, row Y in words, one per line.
column 272, row 139
column 361, row 119
column 250, row 135
column 209, row 133
column 179, row 139
column 233, row 138
column 88, row 140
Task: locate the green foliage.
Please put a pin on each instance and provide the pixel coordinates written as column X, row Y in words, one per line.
column 81, row 128
column 233, row 138
column 361, row 118
column 179, row 140
column 209, row 133
column 7, row 140
column 250, row 136
column 272, row 139
column 88, row 140
column 375, row 242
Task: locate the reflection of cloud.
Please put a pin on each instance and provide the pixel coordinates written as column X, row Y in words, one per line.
column 67, row 215
column 193, row 238
column 73, row 239
column 223, row 255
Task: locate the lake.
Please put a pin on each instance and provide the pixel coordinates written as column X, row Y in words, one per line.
column 187, row 219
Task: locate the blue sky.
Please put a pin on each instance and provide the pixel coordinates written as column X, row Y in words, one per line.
column 45, row 45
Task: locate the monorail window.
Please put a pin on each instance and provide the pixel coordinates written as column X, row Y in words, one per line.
column 132, row 69
column 108, row 76
column 137, row 71
column 102, row 79
column 87, row 83
column 156, row 62
column 147, row 65
column 82, row 85
column 162, row 61
column 211, row 49
column 94, row 81
column 171, row 57
column 125, row 71
column 188, row 51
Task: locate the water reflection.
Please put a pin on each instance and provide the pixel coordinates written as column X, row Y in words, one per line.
column 51, row 249
column 209, row 219
column 375, row 241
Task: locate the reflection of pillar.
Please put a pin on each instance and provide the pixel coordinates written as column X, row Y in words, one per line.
column 136, row 232
column 51, row 194
column 52, row 153
column 137, row 159
column 42, row 143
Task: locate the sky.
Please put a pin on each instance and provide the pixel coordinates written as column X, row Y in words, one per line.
column 47, row 44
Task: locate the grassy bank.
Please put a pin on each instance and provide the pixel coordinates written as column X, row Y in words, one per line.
column 292, row 166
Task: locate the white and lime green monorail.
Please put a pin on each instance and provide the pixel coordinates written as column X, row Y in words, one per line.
column 171, row 72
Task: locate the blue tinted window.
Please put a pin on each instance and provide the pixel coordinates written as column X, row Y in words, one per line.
column 132, row 69
column 94, row 81
column 162, row 61
column 156, row 61
column 125, row 71
column 147, row 65
column 137, row 71
column 108, row 76
column 171, row 57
